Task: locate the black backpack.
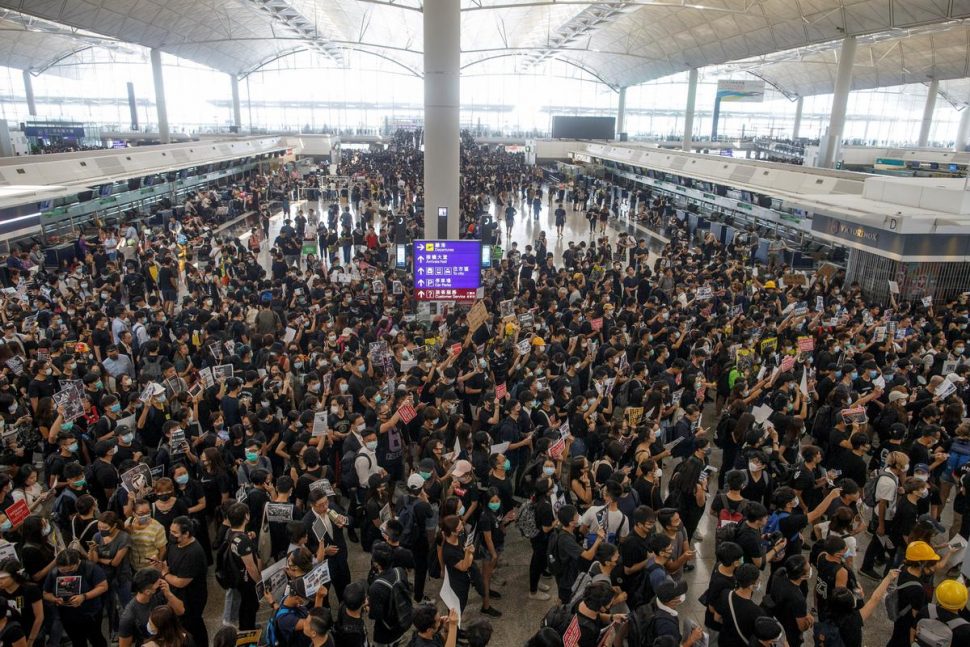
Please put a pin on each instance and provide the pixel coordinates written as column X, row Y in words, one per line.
column 642, row 626
column 400, row 610
column 229, row 566
column 348, row 471
column 646, row 593
column 405, row 515
column 553, row 557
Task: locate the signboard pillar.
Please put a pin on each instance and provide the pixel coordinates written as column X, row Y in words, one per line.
column 689, row 112
column 843, row 84
column 132, row 106
column 442, row 52
column 236, row 106
column 799, row 105
column 924, row 129
column 29, row 92
column 621, row 114
column 160, row 106
column 963, row 131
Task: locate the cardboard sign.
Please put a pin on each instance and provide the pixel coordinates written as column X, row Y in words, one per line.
column 248, row 637
column 596, row 324
column 407, row 413
column 819, row 303
column 787, row 362
column 806, row 344
column 855, row 415
column 570, row 637
column 826, row 271
column 633, row 415
column 893, row 287
column 794, row 279
column 138, row 480
column 501, row 391
column 769, row 344
column 506, row 308
column 456, row 349
column 279, row 512
column 557, row 449
column 324, row 486
column 927, row 302
column 319, row 424
column 17, row 512
column 316, row 578
column 477, row 316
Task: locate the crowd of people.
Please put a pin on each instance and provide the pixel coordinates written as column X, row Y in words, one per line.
column 192, row 410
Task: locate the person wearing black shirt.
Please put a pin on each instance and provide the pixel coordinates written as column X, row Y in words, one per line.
column 243, row 551
column 729, row 556
column 185, row 571
column 634, row 551
column 737, row 610
column 907, row 513
column 350, row 630
column 788, row 595
column 545, row 520
column 808, row 479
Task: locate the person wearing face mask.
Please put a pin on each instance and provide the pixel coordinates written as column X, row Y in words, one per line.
column 103, row 473
column 787, row 599
column 148, row 539
column 491, row 529
column 738, row 611
column 885, row 498
column 150, row 591
column 79, row 612
column 185, row 571
column 65, row 505
column 635, row 553
column 42, row 385
column 914, row 587
column 667, row 622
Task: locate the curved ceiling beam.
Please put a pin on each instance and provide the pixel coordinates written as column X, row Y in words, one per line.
column 46, row 66
column 557, row 57
column 275, row 57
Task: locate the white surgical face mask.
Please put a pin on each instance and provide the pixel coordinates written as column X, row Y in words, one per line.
column 754, row 467
column 658, row 473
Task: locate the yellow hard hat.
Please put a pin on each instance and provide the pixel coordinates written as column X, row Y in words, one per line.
column 951, row 595
column 920, row 551
column 770, row 284
column 538, row 341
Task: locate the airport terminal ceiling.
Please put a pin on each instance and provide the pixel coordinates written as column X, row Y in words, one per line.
column 620, row 43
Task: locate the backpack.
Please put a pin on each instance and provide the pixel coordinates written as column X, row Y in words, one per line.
column 646, row 593
column 727, row 522
column 399, row 611
column 59, row 513
column 272, row 636
column 151, row 368
column 959, row 455
column 773, row 526
column 405, row 514
column 553, row 559
column 348, row 471
column 724, row 428
column 642, row 628
column 558, row 618
column 526, row 520
column 869, row 490
column 826, row 634
column 893, row 609
column 228, row 565
column 933, row 632
column 583, row 580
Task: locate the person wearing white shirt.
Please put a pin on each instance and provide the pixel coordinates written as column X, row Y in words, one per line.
column 366, row 460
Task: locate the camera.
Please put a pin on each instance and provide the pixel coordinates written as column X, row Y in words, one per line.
column 773, row 538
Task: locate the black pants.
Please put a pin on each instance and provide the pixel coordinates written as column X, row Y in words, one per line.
column 420, row 573
column 537, row 564
column 873, row 550
column 195, row 625
column 83, row 630
column 248, row 607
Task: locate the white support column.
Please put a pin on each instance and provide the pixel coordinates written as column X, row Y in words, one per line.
column 843, row 84
column 236, row 107
column 963, row 131
column 798, row 118
column 442, row 50
column 29, row 91
column 689, row 111
column 160, row 107
column 924, row 129
column 621, row 112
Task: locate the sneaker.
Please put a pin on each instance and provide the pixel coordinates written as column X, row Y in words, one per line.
column 539, row 595
column 491, row 611
column 871, row 574
column 543, row 587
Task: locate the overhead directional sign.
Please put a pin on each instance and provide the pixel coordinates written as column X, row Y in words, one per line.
column 447, row 270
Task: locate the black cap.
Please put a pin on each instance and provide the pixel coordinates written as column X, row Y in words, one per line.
column 669, row 590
